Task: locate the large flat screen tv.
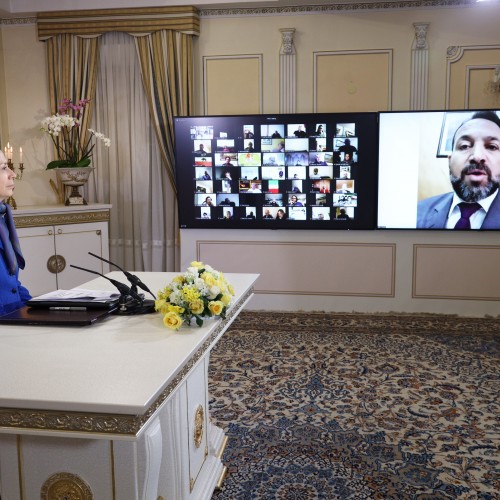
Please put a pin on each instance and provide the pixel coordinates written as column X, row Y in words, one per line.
column 430, row 161
column 303, row 171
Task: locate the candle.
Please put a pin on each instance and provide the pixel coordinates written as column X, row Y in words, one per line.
column 10, row 155
column 20, row 155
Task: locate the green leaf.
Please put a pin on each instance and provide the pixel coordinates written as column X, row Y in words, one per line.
column 57, row 164
column 199, row 321
column 84, row 162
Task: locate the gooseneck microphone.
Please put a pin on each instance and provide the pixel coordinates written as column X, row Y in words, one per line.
column 130, row 301
column 134, row 280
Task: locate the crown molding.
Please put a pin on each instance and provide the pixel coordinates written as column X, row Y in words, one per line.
column 336, row 7
column 353, row 6
column 15, row 21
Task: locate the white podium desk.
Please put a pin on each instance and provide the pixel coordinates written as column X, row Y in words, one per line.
column 113, row 411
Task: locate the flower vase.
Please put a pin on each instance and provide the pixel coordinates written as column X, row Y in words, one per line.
column 74, row 177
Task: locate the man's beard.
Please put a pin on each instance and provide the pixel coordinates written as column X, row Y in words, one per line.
column 470, row 192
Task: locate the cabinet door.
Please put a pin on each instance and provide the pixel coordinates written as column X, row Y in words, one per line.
column 72, row 244
column 197, row 408
column 37, row 245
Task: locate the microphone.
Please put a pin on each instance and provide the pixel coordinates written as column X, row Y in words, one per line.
column 125, row 291
column 130, row 301
column 134, row 280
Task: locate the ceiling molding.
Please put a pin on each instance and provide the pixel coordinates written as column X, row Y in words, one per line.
column 347, row 6
column 336, row 7
column 18, row 20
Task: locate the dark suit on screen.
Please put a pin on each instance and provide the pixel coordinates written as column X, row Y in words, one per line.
column 432, row 213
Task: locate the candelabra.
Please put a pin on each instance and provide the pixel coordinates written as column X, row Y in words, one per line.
column 11, row 201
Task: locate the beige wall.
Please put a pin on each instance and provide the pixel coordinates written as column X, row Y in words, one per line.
column 347, row 31
column 251, row 44
column 26, row 103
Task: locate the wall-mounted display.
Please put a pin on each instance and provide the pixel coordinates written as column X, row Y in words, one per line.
column 439, row 170
column 304, row 171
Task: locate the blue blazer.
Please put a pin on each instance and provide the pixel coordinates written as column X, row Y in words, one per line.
column 13, row 295
column 432, row 213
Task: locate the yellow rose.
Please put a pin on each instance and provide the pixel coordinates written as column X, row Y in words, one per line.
column 196, row 306
column 172, row 320
column 196, row 263
column 159, row 303
column 208, row 279
column 175, row 309
column 179, row 279
column 216, row 307
column 230, row 289
column 226, row 299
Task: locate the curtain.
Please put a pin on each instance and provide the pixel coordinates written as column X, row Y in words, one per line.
column 131, row 174
column 72, row 68
column 166, row 69
column 137, row 174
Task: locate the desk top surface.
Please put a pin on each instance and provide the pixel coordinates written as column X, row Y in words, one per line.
column 118, row 366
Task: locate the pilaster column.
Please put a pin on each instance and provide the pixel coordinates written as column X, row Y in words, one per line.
column 287, row 71
column 419, row 67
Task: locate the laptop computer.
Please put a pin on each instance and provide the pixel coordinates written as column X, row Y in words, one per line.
column 87, row 303
column 49, row 317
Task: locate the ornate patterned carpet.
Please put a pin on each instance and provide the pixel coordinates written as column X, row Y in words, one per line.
column 340, row 406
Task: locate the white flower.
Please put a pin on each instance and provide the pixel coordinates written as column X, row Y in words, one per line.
column 175, row 297
column 193, row 271
column 101, row 137
column 214, row 291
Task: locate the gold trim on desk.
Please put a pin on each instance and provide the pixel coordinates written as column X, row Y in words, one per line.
column 222, row 448
column 61, row 219
column 109, row 424
column 223, row 474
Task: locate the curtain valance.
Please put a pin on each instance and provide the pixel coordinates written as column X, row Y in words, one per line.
column 135, row 21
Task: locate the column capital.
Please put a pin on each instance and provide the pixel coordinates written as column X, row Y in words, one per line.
column 287, row 41
column 420, row 35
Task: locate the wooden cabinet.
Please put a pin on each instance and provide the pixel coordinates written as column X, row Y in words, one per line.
column 52, row 238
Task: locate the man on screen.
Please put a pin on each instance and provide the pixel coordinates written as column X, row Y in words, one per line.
column 474, row 166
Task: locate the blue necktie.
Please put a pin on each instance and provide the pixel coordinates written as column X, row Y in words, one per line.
column 10, row 241
column 466, row 210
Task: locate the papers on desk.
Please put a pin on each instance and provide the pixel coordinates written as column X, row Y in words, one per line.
column 76, row 297
column 78, row 293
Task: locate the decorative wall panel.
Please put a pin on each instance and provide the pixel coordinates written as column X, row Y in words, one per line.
column 468, row 71
column 332, row 268
column 354, row 80
column 232, row 85
column 456, row 272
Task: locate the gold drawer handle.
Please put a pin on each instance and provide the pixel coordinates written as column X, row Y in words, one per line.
column 199, row 418
column 56, row 264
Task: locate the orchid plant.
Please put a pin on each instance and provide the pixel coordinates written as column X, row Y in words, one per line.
column 74, row 148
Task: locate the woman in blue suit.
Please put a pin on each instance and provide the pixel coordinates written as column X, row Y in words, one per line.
column 12, row 294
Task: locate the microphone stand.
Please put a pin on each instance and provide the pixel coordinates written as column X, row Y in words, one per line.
column 134, row 280
column 130, row 301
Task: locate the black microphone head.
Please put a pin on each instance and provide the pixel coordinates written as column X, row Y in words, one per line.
column 134, row 280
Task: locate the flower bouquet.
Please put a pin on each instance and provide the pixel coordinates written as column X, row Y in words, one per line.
column 201, row 292
column 73, row 145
